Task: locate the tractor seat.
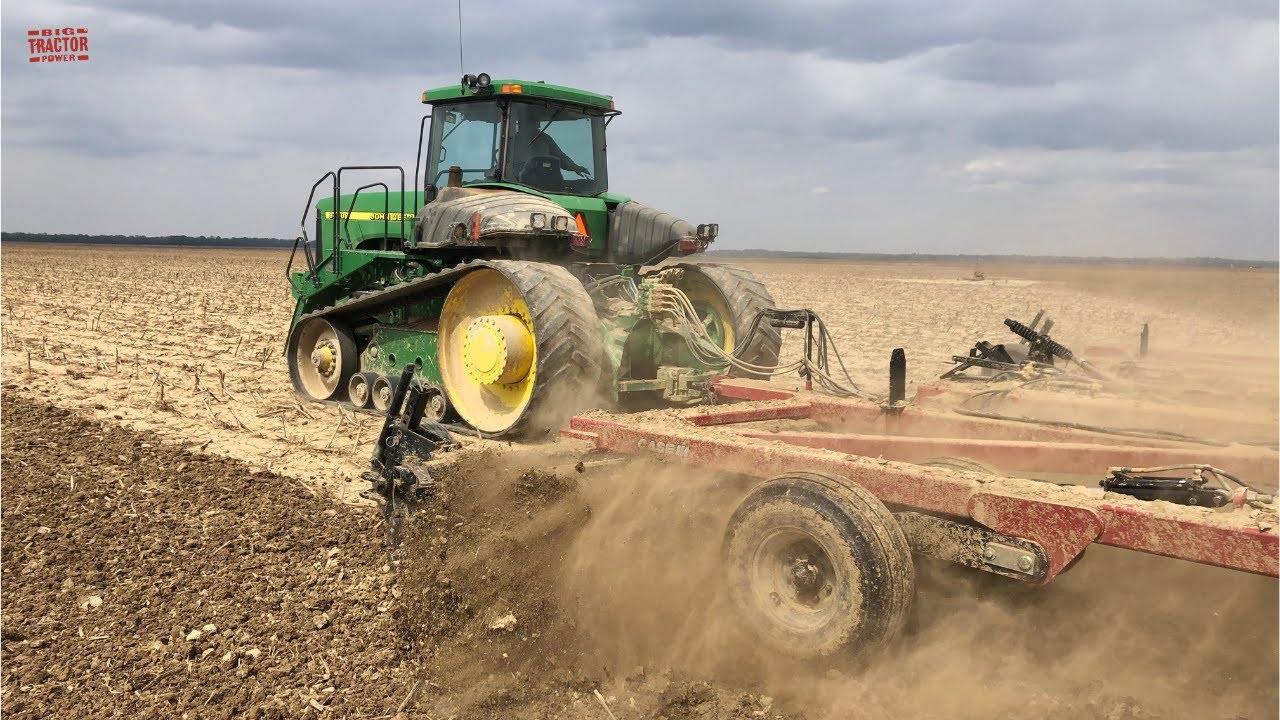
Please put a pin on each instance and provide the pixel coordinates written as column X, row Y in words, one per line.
column 542, row 172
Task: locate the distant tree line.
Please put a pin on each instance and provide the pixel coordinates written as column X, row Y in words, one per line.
column 259, row 242
column 179, row 240
column 1038, row 259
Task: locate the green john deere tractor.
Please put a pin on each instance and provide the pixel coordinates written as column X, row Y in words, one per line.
column 520, row 287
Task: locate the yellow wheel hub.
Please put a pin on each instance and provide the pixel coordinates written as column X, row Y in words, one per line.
column 497, row 349
column 712, row 309
column 323, row 358
column 487, row 350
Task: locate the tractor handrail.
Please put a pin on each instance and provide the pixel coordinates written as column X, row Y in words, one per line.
column 311, row 268
column 306, row 210
column 337, row 206
column 417, row 162
column 386, row 210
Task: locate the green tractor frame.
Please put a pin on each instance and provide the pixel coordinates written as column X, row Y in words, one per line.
column 518, row 286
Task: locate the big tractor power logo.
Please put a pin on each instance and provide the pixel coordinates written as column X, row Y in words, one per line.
column 54, row 45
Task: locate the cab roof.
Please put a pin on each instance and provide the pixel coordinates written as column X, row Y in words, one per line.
column 521, row 88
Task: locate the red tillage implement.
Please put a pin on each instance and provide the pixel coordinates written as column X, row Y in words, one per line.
column 801, row 536
column 1063, row 519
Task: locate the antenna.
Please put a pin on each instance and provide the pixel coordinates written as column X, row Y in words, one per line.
column 461, row 67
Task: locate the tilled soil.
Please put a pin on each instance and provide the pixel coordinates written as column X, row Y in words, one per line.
column 143, row 580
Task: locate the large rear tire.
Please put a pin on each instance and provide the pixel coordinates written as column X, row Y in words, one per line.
column 818, row 567
column 728, row 298
column 519, row 348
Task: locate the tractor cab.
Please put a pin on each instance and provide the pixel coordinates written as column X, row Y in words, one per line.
column 509, row 169
column 544, row 137
column 508, row 274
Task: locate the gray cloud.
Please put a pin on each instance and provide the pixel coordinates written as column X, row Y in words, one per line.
column 880, row 30
column 926, row 122
column 391, row 37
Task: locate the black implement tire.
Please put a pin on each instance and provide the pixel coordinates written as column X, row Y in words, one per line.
column 818, row 567
column 745, row 297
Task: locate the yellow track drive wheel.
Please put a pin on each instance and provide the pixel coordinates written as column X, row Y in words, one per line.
column 322, row 357
column 727, row 299
column 519, row 347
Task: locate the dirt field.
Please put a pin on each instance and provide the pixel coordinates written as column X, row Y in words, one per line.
column 159, row 479
column 188, row 343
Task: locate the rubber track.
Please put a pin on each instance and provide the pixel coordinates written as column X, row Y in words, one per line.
column 371, row 303
column 570, row 351
column 374, row 302
column 747, row 296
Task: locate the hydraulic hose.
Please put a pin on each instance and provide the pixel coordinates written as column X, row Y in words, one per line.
column 673, row 302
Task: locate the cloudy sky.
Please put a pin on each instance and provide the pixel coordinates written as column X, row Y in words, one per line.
column 1091, row 127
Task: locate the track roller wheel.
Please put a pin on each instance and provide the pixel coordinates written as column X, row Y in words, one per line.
column 381, row 392
column 519, row 347
column 727, row 298
column 359, row 390
column 437, row 405
column 818, row 566
column 322, row 356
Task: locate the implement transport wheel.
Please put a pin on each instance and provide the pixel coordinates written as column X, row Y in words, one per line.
column 818, row 567
column 322, row 357
column 727, row 298
column 519, row 347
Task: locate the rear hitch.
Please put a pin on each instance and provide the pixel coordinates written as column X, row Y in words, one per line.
column 819, row 350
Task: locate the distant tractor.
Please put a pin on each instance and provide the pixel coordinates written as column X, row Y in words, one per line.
column 520, row 287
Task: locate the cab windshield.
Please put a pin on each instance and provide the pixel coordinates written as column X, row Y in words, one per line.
column 468, row 135
column 555, row 148
column 552, row 148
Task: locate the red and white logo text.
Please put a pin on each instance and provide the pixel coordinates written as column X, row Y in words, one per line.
column 53, row 45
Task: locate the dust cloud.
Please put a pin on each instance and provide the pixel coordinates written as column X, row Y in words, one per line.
column 1120, row 635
